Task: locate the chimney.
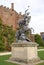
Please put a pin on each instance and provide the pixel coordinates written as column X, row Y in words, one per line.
column 12, row 6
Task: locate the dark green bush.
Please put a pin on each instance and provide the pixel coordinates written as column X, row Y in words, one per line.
column 7, row 36
column 39, row 40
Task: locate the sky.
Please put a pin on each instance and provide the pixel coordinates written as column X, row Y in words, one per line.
column 36, row 10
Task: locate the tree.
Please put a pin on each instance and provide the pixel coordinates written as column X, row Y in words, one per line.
column 1, row 42
column 0, row 21
column 1, row 37
column 38, row 39
column 7, row 36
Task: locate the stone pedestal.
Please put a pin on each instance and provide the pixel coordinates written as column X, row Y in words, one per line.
column 24, row 52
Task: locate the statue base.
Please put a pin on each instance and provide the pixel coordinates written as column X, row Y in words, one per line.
column 24, row 52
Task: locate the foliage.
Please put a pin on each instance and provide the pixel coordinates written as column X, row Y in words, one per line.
column 39, row 40
column 7, row 36
column 27, row 33
column 0, row 21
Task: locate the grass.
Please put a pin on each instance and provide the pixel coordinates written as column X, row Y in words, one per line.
column 41, row 55
column 41, row 64
column 3, row 62
column 5, row 57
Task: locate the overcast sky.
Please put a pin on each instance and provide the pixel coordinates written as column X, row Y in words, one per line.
column 36, row 11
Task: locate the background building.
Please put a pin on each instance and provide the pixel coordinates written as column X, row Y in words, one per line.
column 9, row 16
column 42, row 35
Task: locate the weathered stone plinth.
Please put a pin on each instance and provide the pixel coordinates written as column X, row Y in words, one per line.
column 24, row 52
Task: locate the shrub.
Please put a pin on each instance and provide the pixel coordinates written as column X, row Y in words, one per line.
column 7, row 36
column 39, row 40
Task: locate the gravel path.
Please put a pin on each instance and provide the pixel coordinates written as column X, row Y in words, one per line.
column 7, row 53
column 40, row 49
column 4, row 53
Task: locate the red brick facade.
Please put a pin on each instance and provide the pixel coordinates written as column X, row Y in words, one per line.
column 9, row 16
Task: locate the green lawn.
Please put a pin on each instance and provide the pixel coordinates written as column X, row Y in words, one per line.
column 5, row 57
column 41, row 64
column 3, row 62
column 41, row 55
